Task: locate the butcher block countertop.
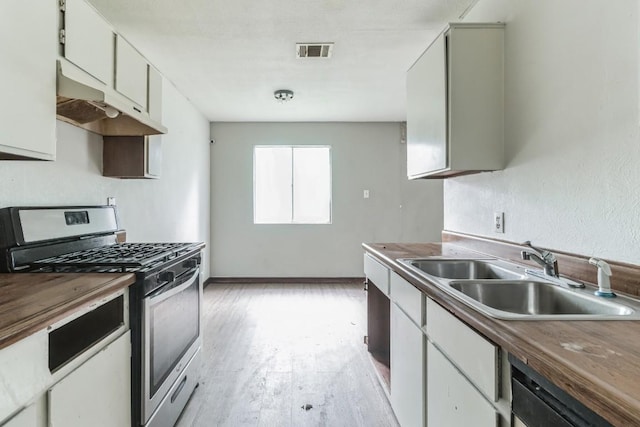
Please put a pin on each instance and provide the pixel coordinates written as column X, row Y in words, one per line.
column 597, row 362
column 30, row 302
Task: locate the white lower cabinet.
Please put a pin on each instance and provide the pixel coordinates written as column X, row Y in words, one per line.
column 407, row 352
column 453, row 401
column 33, row 415
column 98, row 392
column 407, row 370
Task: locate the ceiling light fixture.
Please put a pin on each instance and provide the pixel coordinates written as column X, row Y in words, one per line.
column 283, row 95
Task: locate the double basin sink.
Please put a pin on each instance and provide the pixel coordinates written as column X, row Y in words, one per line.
column 508, row 291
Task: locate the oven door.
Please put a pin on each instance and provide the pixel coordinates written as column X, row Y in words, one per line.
column 171, row 337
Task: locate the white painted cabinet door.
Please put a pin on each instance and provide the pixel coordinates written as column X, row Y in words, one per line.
column 28, row 79
column 131, row 73
column 28, row 417
column 155, row 95
column 455, row 103
column 34, row 415
column 89, row 40
column 407, row 370
column 98, row 393
column 427, row 112
column 452, row 400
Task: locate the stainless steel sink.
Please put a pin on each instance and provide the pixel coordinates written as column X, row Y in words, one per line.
column 533, row 298
column 505, row 290
column 462, row 269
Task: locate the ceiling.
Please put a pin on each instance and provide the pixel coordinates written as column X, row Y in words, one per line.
column 228, row 57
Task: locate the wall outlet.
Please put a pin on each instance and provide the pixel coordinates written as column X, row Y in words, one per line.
column 498, row 222
column 365, row 194
column 111, row 201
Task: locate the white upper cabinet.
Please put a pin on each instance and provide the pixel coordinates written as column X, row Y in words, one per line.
column 155, row 94
column 427, row 112
column 131, row 73
column 89, row 40
column 28, row 80
column 455, row 104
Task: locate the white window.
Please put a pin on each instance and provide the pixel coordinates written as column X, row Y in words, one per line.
column 291, row 184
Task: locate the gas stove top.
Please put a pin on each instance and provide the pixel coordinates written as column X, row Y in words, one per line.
column 78, row 239
column 122, row 255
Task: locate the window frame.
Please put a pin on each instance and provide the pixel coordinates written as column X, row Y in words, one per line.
column 293, row 147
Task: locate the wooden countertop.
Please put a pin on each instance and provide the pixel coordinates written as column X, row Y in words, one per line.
column 30, row 302
column 597, row 362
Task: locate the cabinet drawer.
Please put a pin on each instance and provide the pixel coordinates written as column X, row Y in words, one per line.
column 408, row 298
column 476, row 357
column 376, row 273
column 452, row 400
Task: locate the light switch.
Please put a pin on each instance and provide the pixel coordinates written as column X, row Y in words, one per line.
column 366, row 194
column 498, row 222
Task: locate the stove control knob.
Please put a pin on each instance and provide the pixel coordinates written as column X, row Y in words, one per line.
column 166, row 276
column 190, row 263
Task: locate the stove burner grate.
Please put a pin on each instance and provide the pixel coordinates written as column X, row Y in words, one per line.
column 119, row 256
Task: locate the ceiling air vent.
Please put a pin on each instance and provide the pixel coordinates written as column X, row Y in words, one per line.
column 314, row 50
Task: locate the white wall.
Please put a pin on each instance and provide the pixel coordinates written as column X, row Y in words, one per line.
column 364, row 156
column 572, row 142
column 173, row 208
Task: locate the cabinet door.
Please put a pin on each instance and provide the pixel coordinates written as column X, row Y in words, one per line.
column 153, row 156
column 131, row 73
column 89, row 40
column 28, row 79
column 476, row 357
column 33, row 415
column 452, row 400
column 155, row 95
column 98, row 393
column 427, row 112
column 407, row 370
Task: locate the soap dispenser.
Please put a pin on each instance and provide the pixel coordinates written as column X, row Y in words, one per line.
column 604, row 273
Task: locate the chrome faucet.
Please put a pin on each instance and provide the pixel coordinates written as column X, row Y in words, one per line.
column 543, row 257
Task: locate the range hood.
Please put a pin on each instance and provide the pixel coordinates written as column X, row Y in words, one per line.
column 88, row 103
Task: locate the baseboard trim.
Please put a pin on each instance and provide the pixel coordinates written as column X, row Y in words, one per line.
column 284, row 280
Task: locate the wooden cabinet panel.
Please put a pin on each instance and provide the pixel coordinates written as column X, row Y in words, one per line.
column 407, row 370
column 98, row 393
column 89, row 40
column 132, row 156
column 408, row 298
column 376, row 273
column 131, row 73
column 452, row 400
column 476, row 357
column 28, row 80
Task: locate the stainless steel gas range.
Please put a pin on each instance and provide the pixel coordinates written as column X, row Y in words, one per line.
column 165, row 301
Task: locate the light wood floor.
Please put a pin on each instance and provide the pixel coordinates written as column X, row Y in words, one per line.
column 271, row 349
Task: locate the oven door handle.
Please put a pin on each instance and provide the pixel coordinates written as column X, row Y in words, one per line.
column 165, row 294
